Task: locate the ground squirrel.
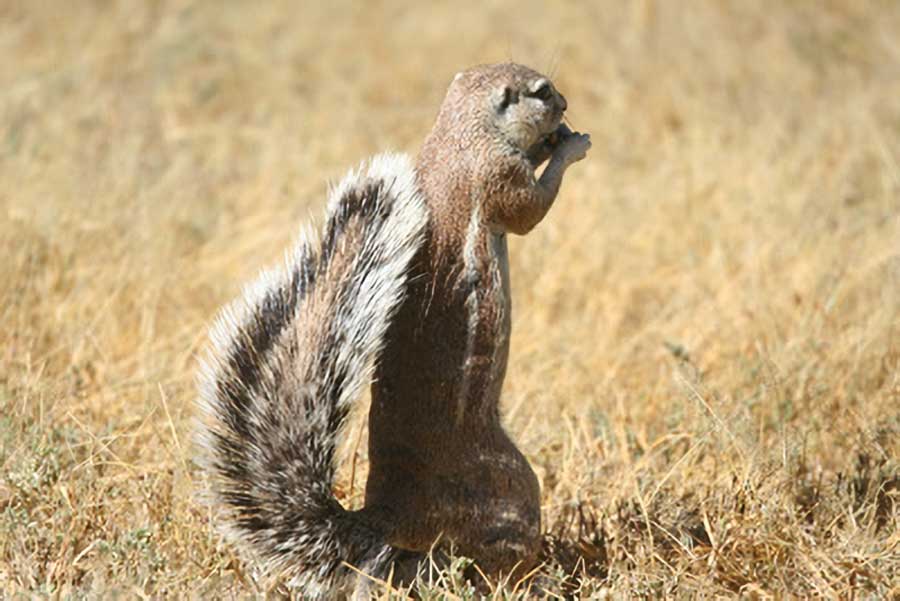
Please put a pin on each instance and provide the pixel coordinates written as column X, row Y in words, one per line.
column 410, row 279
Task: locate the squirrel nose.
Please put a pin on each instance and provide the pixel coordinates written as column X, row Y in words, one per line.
column 562, row 103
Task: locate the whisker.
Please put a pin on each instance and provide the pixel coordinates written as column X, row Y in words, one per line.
column 554, row 62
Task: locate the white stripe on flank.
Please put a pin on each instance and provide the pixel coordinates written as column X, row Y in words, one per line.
column 502, row 300
column 470, row 259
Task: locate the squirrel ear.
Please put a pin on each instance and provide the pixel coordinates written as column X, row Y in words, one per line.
column 503, row 97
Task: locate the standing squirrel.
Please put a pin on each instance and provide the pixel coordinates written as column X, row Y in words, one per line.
column 408, row 289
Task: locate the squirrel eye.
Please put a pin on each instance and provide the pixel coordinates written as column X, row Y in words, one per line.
column 543, row 92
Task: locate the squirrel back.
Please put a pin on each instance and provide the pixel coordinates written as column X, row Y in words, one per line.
column 285, row 363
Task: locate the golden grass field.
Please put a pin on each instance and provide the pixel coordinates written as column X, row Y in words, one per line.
column 705, row 367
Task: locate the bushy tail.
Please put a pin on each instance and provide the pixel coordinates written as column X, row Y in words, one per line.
column 287, row 359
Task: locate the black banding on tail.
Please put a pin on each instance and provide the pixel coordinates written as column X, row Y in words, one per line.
column 278, row 387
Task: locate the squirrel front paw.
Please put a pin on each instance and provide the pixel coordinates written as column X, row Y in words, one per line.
column 573, row 147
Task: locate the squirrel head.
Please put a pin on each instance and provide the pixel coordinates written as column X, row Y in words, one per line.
column 516, row 102
column 493, row 122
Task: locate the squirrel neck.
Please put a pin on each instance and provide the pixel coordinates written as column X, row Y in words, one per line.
column 451, row 175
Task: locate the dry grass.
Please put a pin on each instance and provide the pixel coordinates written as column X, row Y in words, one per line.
column 706, row 353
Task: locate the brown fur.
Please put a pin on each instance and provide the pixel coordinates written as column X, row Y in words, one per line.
column 441, row 463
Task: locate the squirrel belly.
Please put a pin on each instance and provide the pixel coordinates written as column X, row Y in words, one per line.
column 286, row 362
